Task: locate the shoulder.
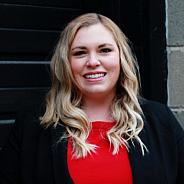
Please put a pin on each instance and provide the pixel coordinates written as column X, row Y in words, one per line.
column 160, row 117
column 152, row 106
column 157, row 110
column 28, row 121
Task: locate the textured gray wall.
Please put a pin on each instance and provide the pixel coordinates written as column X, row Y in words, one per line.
column 175, row 15
column 175, row 51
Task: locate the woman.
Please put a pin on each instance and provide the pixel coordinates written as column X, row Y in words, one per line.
column 95, row 129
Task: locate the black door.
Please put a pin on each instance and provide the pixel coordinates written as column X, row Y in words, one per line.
column 29, row 31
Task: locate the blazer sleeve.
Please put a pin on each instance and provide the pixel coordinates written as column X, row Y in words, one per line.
column 170, row 136
column 11, row 153
column 169, row 122
column 179, row 137
column 10, row 156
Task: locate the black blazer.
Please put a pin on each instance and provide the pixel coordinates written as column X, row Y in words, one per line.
column 34, row 154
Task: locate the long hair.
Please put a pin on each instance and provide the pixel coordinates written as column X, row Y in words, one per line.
column 63, row 102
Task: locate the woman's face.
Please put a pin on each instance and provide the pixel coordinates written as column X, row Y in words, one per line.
column 95, row 63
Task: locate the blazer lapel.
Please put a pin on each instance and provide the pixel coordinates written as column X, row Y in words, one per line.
column 148, row 168
column 138, row 161
column 59, row 152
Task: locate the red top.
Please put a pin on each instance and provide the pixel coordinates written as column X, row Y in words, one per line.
column 101, row 167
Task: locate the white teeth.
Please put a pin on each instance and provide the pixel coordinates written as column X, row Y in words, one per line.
column 94, row 76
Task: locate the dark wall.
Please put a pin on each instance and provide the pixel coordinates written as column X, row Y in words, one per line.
column 29, row 31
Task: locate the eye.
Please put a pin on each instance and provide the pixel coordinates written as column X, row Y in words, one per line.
column 79, row 53
column 105, row 50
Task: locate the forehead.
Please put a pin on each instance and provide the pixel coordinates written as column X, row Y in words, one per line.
column 94, row 34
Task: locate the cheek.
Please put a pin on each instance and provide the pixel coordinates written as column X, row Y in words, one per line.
column 114, row 68
column 114, row 64
column 75, row 67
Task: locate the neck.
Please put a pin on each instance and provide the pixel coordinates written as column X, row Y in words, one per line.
column 98, row 109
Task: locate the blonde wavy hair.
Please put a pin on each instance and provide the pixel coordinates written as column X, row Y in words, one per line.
column 63, row 102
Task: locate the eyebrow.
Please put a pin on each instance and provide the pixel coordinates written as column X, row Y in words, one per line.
column 106, row 44
column 100, row 46
column 78, row 47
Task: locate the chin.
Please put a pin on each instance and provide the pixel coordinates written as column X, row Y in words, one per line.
column 98, row 92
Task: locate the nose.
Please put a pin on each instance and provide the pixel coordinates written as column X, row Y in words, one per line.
column 93, row 61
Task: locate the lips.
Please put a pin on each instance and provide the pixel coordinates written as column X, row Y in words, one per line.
column 94, row 75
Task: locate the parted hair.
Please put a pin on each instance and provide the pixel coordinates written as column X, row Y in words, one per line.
column 64, row 99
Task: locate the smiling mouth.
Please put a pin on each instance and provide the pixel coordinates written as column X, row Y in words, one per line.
column 94, row 76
